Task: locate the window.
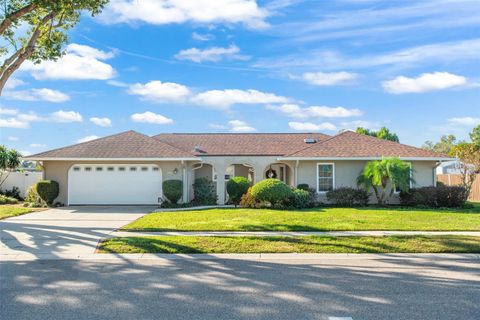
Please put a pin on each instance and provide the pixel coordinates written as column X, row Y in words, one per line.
column 133, row 168
column 155, row 168
column 144, row 168
column 121, row 168
column 76, row 168
column 98, row 168
column 110, row 169
column 88, row 169
column 325, row 177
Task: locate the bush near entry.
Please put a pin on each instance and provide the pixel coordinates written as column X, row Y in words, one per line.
column 274, row 191
column 47, row 190
column 204, row 192
column 348, row 197
column 236, row 188
column 173, row 190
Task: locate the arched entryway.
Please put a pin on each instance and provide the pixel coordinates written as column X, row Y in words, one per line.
column 280, row 171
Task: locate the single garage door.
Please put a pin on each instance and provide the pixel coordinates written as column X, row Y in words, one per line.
column 114, row 184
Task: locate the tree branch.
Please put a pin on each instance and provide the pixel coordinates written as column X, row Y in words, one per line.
column 12, row 17
column 25, row 53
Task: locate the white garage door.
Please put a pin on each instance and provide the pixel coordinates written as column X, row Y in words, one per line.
column 114, row 184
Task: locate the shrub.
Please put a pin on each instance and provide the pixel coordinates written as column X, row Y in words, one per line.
column 7, row 200
column 247, row 200
column 236, row 188
column 204, row 192
column 348, row 197
column 301, row 198
column 435, row 197
column 33, row 199
column 273, row 191
column 12, row 193
column 47, row 190
column 303, row 186
column 173, row 190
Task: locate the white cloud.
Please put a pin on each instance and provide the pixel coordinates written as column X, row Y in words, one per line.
column 12, row 83
column 25, row 153
column 202, row 36
column 306, row 126
column 240, row 126
column 8, row 112
column 87, row 138
column 217, row 126
column 42, row 94
column 102, row 122
column 38, row 145
column 116, row 83
column 223, row 99
column 79, row 63
column 160, row 12
column 295, row 111
column 424, row 83
column 158, row 91
column 326, row 78
column 66, row 116
column 150, row 117
column 213, row 54
column 12, row 138
column 13, row 123
column 465, row 121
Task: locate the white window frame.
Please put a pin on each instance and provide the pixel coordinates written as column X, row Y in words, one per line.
column 333, row 175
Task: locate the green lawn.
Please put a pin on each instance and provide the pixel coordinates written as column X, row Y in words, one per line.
column 310, row 244
column 7, row 211
column 318, row 219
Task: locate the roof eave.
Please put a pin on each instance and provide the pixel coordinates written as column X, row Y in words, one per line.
column 111, row 159
column 368, row 158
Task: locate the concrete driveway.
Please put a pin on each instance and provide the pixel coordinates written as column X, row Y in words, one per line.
column 63, row 231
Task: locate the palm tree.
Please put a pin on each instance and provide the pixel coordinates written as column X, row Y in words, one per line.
column 388, row 173
column 9, row 160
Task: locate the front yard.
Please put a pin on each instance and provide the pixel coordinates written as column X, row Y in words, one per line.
column 7, row 211
column 317, row 219
column 306, row 244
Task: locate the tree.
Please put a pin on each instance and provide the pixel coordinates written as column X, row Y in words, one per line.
column 469, row 155
column 9, row 161
column 46, row 22
column 445, row 145
column 384, row 177
column 475, row 135
column 384, row 133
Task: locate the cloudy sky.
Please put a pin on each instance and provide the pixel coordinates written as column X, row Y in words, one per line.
column 254, row 66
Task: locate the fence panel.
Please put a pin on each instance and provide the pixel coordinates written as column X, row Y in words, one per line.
column 21, row 180
column 456, row 179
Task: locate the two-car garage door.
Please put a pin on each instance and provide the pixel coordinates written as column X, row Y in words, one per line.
column 120, row 184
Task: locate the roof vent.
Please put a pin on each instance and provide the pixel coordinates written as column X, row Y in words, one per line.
column 310, row 140
column 197, row 149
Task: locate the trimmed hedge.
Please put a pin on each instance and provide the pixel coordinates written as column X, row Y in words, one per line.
column 7, row 200
column 47, row 190
column 173, row 190
column 348, row 197
column 303, row 186
column 204, row 192
column 236, row 188
column 274, row 191
column 301, row 199
column 435, row 197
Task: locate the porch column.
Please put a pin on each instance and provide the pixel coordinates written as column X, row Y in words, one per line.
column 185, row 183
column 220, row 170
column 258, row 172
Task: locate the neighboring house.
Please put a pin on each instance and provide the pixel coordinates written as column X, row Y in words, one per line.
column 129, row 167
column 452, row 167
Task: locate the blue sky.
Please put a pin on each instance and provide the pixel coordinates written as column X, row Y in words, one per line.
column 244, row 66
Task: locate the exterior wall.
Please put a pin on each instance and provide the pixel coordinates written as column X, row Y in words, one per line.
column 58, row 171
column 21, row 180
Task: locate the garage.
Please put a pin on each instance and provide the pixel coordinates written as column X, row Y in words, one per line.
column 114, row 184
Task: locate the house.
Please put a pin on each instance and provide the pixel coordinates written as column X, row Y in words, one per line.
column 129, row 167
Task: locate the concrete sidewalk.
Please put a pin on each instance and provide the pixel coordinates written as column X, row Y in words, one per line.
column 118, row 234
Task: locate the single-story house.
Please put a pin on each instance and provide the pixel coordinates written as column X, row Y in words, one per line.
column 129, row 167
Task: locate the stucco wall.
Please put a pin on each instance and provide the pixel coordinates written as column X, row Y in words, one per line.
column 58, row 171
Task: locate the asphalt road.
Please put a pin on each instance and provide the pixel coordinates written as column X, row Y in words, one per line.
column 238, row 289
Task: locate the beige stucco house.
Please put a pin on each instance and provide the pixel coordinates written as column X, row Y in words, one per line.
column 129, row 167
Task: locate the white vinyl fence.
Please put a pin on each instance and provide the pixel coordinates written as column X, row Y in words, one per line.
column 21, row 180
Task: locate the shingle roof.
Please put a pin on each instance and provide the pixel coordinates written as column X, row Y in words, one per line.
column 129, row 144
column 349, row 144
column 275, row 144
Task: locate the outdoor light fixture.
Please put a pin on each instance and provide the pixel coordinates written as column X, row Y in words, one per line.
column 175, row 171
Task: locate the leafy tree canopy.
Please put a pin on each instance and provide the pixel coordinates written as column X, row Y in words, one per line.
column 384, row 133
column 445, row 145
column 36, row 30
column 475, row 135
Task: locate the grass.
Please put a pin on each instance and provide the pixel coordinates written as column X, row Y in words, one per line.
column 317, row 219
column 306, row 244
column 7, row 211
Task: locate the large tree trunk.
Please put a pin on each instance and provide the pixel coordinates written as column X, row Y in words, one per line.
column 14, row 16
